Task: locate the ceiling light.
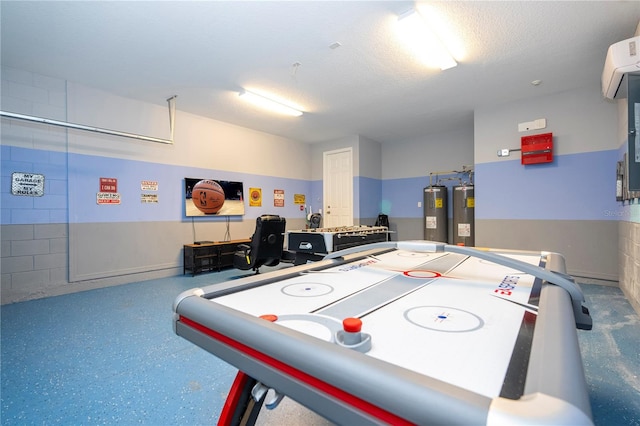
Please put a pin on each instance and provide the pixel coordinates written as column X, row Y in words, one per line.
column 423, row 41
column 269, row 104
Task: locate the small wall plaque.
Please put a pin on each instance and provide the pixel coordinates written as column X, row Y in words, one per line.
column 27, row 184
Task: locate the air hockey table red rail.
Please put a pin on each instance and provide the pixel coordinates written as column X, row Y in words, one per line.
column 349, row 386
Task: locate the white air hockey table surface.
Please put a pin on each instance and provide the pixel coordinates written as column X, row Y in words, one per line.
column 433, row 334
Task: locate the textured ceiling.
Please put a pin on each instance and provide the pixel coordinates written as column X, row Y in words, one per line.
column 206, row 51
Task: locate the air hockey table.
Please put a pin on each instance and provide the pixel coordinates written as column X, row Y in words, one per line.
column 410, row 332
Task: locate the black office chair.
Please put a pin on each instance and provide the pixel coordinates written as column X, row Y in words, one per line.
column 383, row 220
column 265, row 247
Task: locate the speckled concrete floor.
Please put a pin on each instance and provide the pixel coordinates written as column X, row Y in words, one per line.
column 611, row 357
column 110, row 356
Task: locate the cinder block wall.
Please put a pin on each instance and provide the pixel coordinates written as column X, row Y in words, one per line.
column 63, row 242
column 629, row 256
column 628, row 222
column 34, row 256
column 34, row 231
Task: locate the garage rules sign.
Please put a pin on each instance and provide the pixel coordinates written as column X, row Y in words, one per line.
column 27, row 184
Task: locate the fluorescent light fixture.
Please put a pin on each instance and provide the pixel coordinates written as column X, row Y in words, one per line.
column 269, row 104
column 423, row 41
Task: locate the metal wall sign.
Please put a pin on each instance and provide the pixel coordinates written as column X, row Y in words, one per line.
column 27, row 184
column 149, row 185
column 148, row 198
column 108, row 198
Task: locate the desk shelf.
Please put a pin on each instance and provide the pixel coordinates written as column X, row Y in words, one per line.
column 210, row 256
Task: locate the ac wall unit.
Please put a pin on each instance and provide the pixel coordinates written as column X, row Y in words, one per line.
column 622, row 58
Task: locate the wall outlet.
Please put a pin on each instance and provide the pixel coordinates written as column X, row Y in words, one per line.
column 419, row 203
column 503, row 153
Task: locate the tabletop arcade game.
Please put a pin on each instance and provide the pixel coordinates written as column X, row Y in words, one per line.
column 411, row 332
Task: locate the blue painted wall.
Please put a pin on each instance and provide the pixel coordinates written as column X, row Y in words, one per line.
column 81, row 174
column 52, row 206
column 400, row 197
column 369, row 196
column 573, row 187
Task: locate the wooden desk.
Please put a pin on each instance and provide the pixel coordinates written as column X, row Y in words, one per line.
column 210, row 256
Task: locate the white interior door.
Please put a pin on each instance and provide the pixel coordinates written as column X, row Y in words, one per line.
column 337, row 188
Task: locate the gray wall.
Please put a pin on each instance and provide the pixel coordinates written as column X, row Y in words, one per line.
column 370, row 158
column 435, row 152
column 581, row 122
column 588, row 246
column 36, row 257
column 65, row 246
column 413, row 160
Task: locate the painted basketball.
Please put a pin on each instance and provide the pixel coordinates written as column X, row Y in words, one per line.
column 208, row 196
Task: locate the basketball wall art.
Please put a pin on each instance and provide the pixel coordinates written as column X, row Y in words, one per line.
column 255, row 197
column 213, row 197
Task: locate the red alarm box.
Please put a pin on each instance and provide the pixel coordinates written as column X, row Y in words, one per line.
column 537, row 149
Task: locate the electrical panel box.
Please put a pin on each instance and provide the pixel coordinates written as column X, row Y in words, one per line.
column 632, row 177
column 537, row 149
